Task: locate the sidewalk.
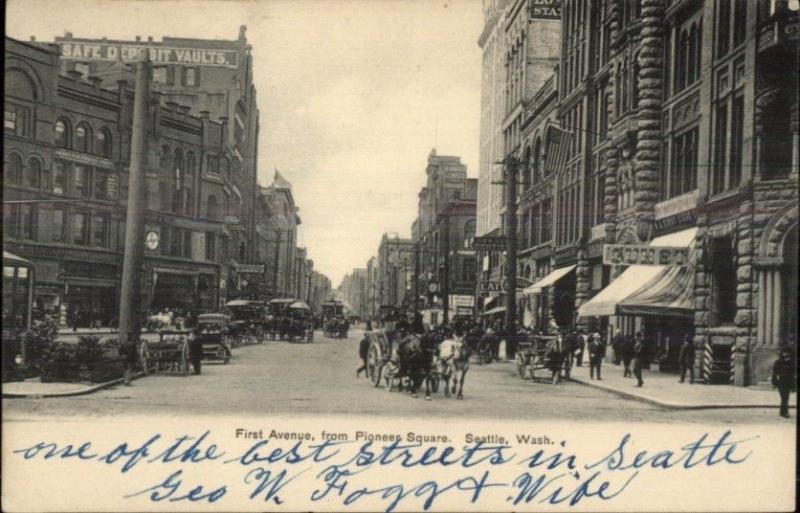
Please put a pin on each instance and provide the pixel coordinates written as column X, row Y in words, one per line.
column 663, row 389
column 35, row 389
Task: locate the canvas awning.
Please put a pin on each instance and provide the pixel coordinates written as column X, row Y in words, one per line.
column 14, row 260
column 548, row 280
column 495, row 310
column 300, row 305
column 238, row 302
column 649, row 289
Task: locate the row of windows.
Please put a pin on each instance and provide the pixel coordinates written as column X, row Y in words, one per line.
column 80, row 139
column 59, row 225
column 536, row 224
column 17, row 120
column 66, row 178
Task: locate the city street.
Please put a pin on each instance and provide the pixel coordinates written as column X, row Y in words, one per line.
column 319, row 378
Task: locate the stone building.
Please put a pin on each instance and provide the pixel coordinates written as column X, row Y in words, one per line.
column 353, row 291
column 277, row 219
column 66, row 155
column 395, row 257
column 680, row 132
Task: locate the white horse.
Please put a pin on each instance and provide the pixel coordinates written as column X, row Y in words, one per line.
column 454, row 363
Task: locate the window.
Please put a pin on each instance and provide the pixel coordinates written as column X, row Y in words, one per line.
column 160, row 75
column 724, row 24
column 190, row 163
column 17, row 120
column 80, row 180
column 100, row 225
column 213, row 165
column 84, row 68
column 739, row 22
column 723, row 281
column 102, row 143
column 83, row 135
column 469, row 233
column 211, row 246
column 13, row 171
column 688, row 52
column 79, row 229
column 720, row 151
column 683, row 176
column 468, row 269
column 547, row 220
column 61, row 132
column 212, row 207
column 776, row 141
column 191, row 77
column 180, row 242
column 164, row 158
column 102, row 182
column 51, row 225
column 59, row 177
column 737, row 140
column 33, row 175
column 27, row 222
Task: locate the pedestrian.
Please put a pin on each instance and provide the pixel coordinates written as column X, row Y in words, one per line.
column 196, row 349
column 784, row 378
column 686, row 359
column 627, row 354
column 130, row 354
column 597, row 350
column 568, row 348
column 369, row 324
column 363, row 350
column 638, row 358
column 616, row 345
column 583, row 341
column 554, row 358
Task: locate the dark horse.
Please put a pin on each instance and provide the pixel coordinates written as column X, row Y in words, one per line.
column 414, row 364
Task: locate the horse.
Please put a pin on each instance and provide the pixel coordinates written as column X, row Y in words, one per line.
column 454, row 356
column 158, row 321
column 412, row 363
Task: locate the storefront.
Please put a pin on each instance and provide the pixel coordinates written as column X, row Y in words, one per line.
column 656, row 300
column 553, row 297
column 183, row 289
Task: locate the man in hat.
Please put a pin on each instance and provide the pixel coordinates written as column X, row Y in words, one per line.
column 686, row 359
column 784, row 378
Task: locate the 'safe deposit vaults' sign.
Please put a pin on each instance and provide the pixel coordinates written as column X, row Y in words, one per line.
column 158, row 54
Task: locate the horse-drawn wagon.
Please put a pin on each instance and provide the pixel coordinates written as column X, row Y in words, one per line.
column 301, row 322
column 535, row 354
column 213, row 334
column 249, row 321
column 170, row 353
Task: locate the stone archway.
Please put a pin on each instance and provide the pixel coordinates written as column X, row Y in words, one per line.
column 774, row 234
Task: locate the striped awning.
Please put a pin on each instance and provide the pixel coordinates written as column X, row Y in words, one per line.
column 495, row 310
column 548, row 280
column 649, row 289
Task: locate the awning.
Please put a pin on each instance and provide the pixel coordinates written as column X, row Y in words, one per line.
column 548, row 280
column 238, row 302
column 300, row 305
column 495, row 310
column 649, row 289
column 14, row 260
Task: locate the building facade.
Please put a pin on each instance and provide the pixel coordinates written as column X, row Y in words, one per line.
column 394, row 260
column 277, row 220
column 674, row 128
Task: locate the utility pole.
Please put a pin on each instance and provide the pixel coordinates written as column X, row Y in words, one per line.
column 130, row 290
column 446, row 277
column 416, row 280
column 512, row 168
column 275, row 264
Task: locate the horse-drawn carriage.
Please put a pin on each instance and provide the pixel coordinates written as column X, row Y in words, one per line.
column 300, row 325
column 213, row 333
column 249, row 321
column 534, row 354
column 170, row 353
column 336, row 327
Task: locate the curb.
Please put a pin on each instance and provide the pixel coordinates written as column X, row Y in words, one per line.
column 673, row 406
column 85, row 391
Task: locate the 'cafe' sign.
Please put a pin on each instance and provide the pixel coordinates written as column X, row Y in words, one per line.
column 631, row 254
column 86, row 51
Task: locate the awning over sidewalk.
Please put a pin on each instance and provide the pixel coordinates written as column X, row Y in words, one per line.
column 548, row 280
column 12, row 259
column 649, row 289
column 495, row 310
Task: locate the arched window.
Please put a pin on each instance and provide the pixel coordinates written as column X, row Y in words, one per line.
column 83, row 134
column 692, row 51
column 13, row 170
column 102, row 143
column 61, row 132
column 165, row 158
column 536, row 169
column 212, row 207
column 20, row 85
column 33, row 174
column 634, row 84
column 683, row 49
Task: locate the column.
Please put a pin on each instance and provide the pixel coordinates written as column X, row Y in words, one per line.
column 762, row 302
column 768, row 308
column 776, row 306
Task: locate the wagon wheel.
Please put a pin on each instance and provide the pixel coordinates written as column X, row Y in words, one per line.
column 144, row 356
column 184, row 356
column 374, row 365
column 521, row 365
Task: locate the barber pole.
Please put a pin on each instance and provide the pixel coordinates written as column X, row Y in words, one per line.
column 708, row 358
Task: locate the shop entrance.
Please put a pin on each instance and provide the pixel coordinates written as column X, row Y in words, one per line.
column 666, row 334
column 175, row 292
column 91, row 306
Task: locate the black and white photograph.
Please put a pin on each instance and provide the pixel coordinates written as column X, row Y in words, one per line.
column 400, row 255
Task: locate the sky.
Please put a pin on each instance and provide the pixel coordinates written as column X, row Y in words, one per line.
column 353, row 96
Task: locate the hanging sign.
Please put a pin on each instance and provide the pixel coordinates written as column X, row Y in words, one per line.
column 487, row 243
column 545, row 9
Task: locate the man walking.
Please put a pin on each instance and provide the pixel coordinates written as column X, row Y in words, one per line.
column 784, row 378
column 686, row 359
column 597, row 350
column 583, row 342
column 363, row 350
column 638, row 357
column 628, row 344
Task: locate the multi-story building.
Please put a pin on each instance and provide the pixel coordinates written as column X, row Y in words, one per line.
column 353, row 291
column 320, row 290
column 66, row 158
column 395, row 258
column 372, row 287
column 276, row 245
column 206, row 77
column 683, row 140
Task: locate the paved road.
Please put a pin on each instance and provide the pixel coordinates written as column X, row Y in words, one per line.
column 298, row 379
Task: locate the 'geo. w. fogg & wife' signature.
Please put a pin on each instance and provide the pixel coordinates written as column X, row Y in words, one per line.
column 390, row 474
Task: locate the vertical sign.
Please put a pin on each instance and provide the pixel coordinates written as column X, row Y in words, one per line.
column 545, row 9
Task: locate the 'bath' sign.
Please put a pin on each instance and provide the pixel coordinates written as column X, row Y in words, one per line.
column 87, row 51
column 631, row 254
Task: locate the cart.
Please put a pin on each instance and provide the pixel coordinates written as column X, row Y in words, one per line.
column 170, row 353
column 378, row 355
column 213, row 333
column 249, row 321
column 532, row 355
column 302, row 326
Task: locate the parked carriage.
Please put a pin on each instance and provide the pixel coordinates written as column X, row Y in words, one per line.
column 299, row 325
column 214, row 335
column 336, row 327
column 249, row 321
column 170, row 353
column 533, row 355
